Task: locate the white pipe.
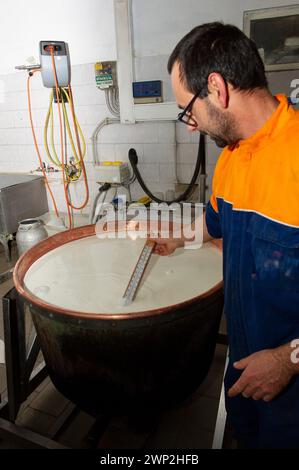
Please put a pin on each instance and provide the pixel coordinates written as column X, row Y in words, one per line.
column 112, row 110
column 94, row 137
column 123, row 20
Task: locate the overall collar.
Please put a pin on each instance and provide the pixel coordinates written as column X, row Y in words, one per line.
column 270, row 129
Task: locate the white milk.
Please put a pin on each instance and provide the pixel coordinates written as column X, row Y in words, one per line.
column 91, row 275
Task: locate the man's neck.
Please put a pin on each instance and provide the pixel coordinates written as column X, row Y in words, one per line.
column 252, row 110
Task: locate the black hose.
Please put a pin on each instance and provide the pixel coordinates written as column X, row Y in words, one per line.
column 200, row 164
column 202, row 153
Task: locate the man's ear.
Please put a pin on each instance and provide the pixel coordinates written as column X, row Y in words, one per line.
column 218, row 90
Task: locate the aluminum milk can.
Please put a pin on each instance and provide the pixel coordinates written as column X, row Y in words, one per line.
column 30, row 232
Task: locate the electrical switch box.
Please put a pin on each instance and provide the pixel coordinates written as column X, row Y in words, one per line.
column 148, row 92
column 112, row 172
column 105, row 75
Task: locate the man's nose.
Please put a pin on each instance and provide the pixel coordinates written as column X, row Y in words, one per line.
column 192, row 128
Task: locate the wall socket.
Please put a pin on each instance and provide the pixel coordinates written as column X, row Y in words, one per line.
column 180, row 188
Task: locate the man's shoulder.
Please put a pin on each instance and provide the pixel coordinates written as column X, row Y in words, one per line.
column 287, row 139
column 293, row 122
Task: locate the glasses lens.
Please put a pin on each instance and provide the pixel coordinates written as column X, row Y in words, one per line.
column 185, row 115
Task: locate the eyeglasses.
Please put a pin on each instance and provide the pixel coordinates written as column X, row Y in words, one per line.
column 187, row 112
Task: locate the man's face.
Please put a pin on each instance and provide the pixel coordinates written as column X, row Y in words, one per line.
column 210, row 119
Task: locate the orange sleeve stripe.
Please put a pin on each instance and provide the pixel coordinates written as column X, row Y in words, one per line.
column 214, row 203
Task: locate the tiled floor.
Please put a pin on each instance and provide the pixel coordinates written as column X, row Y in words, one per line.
column 189, row 425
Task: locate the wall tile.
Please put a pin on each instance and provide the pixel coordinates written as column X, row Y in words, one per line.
column 167, row 173
column 83, row 74
column 21, row 117
column 140, row 133
column 28, row 158
column 144, row 133
column 91, row 114
column 151, row 67
column 122, row 150
column 182, row 134
column 194, row 137
column 15, row 81
column 160, row 153
column 213, row 153
column 167, row 91
column 106, row 152
column 17, row 136
column 88, row 95
column 185, row 173
column 166, row 132
column 40, row 98
column 8, row 153
column 187, row 153
column 149, row 172
column 6, row 119
column 14, row 100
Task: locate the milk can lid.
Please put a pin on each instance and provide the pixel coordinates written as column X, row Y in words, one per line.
column 29, row 224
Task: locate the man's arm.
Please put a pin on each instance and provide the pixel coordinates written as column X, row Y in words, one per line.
column 206, row 235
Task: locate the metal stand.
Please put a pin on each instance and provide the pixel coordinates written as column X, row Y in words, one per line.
column 6, row 275
column 218, row 439
column 223, row 434
column 6, row 240
column 22, row 377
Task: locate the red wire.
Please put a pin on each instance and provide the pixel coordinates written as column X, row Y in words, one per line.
column 51, row 49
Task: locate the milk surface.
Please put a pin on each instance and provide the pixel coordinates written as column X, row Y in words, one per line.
column 91, row 275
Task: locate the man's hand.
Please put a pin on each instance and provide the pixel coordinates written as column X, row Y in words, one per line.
column 266, row 374
column 166, row 246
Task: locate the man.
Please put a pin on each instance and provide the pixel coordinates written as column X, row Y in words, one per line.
column 219, row 81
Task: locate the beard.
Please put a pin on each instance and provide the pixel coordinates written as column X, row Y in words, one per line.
column 224, row 132
column 219, row 141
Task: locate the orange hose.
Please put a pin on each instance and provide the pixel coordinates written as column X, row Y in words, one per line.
column 51, row 48
column 35, row 141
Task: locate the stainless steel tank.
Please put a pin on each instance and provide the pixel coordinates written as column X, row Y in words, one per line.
column 21, row 196
column 122, row 364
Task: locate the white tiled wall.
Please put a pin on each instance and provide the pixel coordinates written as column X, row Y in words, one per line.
column 154, row 142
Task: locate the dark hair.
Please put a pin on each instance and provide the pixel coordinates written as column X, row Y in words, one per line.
column 216, row 47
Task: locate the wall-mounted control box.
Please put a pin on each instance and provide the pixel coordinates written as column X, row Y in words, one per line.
column 112, row 172
column 148, row 92
column 105, row 75
column 61, row 60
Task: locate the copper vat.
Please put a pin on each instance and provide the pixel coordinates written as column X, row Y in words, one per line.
column 121, row 364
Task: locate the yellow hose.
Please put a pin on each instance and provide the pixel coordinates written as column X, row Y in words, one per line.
column 69, row 130
column 53, row 157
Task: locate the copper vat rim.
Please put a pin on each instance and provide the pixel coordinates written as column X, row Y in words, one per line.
column 62, row 238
